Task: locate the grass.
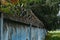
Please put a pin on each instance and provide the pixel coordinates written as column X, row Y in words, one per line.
column 53, row 36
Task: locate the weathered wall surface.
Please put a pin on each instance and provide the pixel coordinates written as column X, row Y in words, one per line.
column 14, row 31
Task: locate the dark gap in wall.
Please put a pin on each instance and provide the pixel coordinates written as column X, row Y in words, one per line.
column 0, row 14
column 12, row 21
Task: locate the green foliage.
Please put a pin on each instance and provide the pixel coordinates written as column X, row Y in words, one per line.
column 53, row 36
column 47, row 13
column 45, row 10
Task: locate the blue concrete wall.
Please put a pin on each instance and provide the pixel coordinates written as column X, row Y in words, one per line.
column 14, row 31
column 38, row 34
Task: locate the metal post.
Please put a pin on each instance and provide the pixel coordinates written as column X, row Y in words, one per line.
column 30, row 30
column 1, row 26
